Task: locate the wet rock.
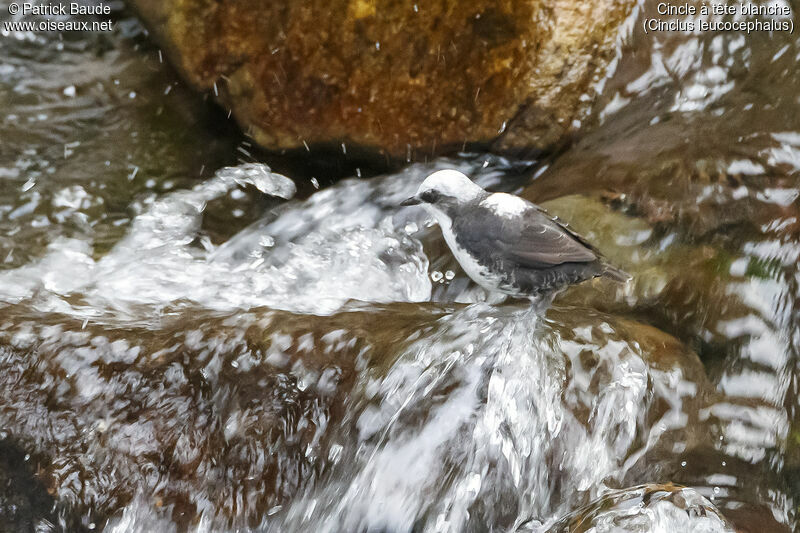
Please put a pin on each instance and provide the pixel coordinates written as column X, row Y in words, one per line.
column 278, row 419
column 218, row 417
column 681, row 286
column 722, row 479
column 408, row 79
column 714, row 262
column 644, row 509
column 709, row 234
column 494, row 415
column 728, row 295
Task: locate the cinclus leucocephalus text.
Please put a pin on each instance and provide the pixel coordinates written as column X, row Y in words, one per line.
column 508, row 244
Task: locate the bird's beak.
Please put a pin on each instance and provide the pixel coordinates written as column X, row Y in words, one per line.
column 411, row 201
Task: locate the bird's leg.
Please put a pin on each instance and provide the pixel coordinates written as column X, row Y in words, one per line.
column 541, row 303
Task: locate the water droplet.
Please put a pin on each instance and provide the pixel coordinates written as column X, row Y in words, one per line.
column 69, row 91
column 132, row 95
column 436, row 276
column 449, row 275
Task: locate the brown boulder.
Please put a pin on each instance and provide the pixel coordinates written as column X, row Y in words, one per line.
column 407, row 79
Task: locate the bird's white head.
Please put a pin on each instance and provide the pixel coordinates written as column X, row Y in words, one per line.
column 446, row 187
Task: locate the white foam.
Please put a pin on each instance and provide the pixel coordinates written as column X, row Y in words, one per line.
column 335, row 247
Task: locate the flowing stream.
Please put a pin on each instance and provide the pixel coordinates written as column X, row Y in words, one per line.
column 194, row 338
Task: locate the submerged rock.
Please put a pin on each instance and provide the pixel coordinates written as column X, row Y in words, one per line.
column 408, row 79
column 221, row 418
column 468, row 415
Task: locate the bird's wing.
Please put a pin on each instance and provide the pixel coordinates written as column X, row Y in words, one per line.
column 531, row 240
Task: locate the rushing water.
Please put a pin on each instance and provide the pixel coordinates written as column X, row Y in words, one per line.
column 189, row 343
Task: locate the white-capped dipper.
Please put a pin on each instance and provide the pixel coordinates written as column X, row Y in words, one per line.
column 505, row 243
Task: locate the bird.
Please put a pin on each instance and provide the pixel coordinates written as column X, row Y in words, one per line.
column 507, row 244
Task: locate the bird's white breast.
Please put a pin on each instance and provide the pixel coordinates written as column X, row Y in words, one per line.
column 472, row 268
column 505, row 205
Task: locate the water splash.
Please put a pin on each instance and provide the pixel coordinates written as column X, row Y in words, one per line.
column 287, row 264
column 645, row 509
column 470, row 426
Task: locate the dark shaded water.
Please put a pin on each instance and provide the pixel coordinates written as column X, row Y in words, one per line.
column 181, row 348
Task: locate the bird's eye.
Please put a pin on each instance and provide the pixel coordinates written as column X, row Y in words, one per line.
column 430, row 196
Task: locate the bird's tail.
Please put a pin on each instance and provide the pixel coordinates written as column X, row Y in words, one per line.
column 614, row 273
